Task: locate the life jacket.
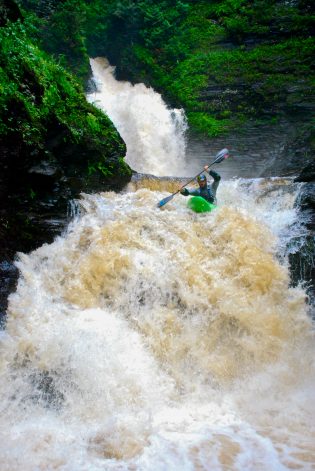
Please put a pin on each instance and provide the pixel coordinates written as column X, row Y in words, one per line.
column 207, row 193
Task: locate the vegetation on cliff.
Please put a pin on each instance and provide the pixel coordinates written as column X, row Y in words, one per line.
column 59, row 29
column 224, row 61
column 40, row 99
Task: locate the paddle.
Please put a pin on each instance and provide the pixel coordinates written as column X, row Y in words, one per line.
column 223, row 154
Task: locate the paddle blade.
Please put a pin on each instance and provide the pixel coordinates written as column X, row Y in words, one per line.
column 164, row 201
column 223, row 154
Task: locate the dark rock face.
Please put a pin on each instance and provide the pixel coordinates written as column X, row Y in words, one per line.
column 307, row 174
column 302, row 261
column 8, row 279
column 35, row 188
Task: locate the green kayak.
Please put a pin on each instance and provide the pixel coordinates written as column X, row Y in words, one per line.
column 200, row 205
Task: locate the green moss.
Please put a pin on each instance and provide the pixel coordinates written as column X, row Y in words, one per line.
column 58, row 27
column 207, row 125
column 38, row 94
column 238, row 81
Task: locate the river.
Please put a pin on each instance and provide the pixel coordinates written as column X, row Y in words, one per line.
column 160, row 339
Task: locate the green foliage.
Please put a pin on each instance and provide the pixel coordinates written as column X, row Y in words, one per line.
column 60, row 29
column 39, row 97
column 270, row 72
column 63, row 36
column 207, row 125
column 123, row 30
column 241, row 18
column 158, row 21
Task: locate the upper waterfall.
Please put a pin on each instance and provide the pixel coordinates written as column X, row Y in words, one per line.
column 154, row 134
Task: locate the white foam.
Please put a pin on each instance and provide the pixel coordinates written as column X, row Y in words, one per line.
column 159, row 339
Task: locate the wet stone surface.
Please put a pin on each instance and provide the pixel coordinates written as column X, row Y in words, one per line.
column 8, row 280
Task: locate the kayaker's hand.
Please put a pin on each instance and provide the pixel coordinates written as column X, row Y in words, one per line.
column 206, row 167
column 184, row 191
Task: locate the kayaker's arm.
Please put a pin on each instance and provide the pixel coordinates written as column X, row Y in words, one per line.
column 214, row 186
column 187, row 192
column 184, row 191
column 213, row 174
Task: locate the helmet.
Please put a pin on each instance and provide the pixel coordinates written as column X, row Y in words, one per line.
column 201, row 178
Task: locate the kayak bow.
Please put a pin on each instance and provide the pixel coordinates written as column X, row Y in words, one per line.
column 200, row 205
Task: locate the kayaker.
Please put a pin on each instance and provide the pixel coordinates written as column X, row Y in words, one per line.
column 206, row 190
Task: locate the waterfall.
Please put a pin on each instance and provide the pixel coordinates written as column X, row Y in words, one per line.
column 161, row 339
column 153, row 133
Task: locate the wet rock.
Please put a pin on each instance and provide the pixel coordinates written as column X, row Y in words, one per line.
column 302, row 260
column 306, row 199
column 307, row 174
column 8, row 279
column 46, row 169
column 302, row 267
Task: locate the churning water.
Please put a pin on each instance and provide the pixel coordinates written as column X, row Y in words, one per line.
column 159, row 339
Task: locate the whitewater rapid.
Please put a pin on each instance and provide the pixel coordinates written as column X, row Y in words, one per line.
column 160, row 339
